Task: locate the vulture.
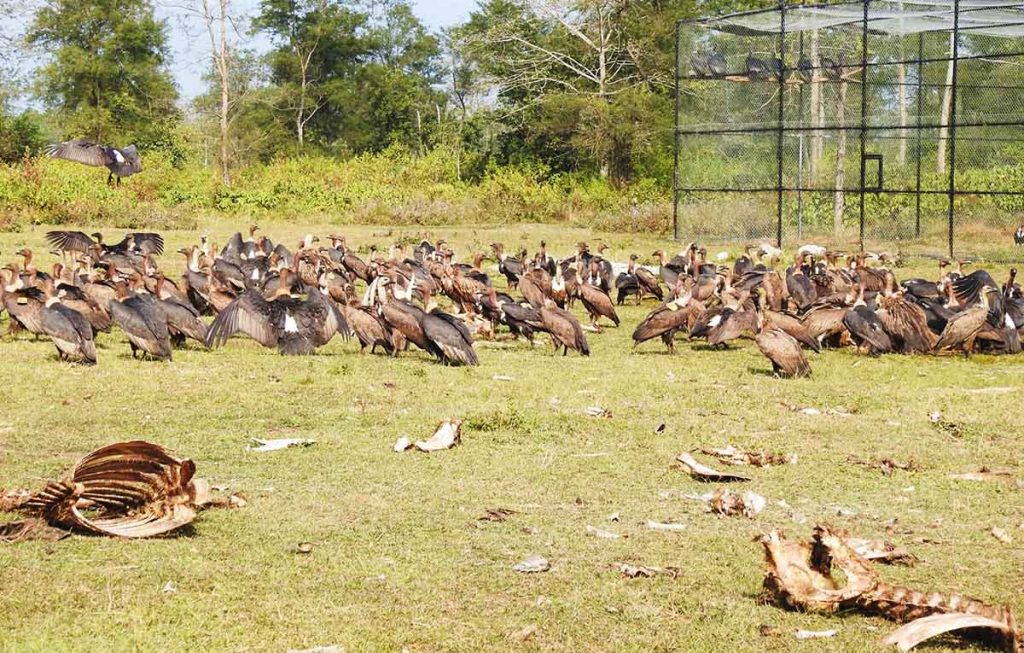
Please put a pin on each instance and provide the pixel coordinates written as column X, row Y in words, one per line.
column 511, row 268
column 757, row 68
column 143, row 321
column 369, row 329
column 448, row 338
column 182, row 318
column 76, row 242
column 121, row 162
column 564, row 328
column 904, row 321
column 70, row 332
column 648, row 282
column 708, row 64
column 782, row 350
column 295, row 326
column 597, row 303
column 963, row 328
column 805, row 68
column 627, row 284
column 664, row 321
column 865, row 328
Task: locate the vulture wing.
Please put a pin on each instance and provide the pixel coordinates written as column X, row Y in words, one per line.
column 250, row 314
column 147, row 243
column 80, row 151
column 70, row 241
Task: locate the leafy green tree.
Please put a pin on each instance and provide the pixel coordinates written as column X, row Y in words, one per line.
column 399, row 102
column 584, row 85
column 106, row 76
column 319, row 46
column 20, row 136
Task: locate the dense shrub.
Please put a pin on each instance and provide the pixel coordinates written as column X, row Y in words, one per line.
column 392, row 188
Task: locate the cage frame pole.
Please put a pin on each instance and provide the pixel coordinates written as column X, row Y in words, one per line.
column 675, row 139
column 952, row 122
column 920, row 142
column 863, row 118
column 781, row 118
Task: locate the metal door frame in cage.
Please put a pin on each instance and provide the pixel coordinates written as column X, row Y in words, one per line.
column 742, row 125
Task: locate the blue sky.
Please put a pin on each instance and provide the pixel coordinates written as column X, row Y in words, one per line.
column 190, row 46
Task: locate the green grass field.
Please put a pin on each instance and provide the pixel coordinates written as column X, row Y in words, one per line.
column 400, row 560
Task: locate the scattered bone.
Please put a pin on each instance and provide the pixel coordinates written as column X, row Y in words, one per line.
column 704, row 473
column 533, row 564
column 810, row 412
column 730, row 455
column 264, row 446
column 169, row 587
column 403, row 444
column 597, row 411
column 502, row 377
column 497, row 514
column 129, row 489
column 886, row 465
column 991, row 474
column 303, row 548
column 815, row 634
column 724, row 501
column 925, row 628
column 601, row 533
column 799, row 577
column 640, row 571
column 613, row 517
column 666, row 527
column 1001, row 535
column 333, row 648
column 447, row 435
column 524, row 633
column 882, row 551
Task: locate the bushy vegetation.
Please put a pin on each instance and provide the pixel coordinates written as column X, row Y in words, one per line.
column 393, row 187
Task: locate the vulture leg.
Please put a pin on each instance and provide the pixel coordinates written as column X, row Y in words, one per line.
column 639, row 297
column 110, row 178
column 668, row 339
column 118, row 182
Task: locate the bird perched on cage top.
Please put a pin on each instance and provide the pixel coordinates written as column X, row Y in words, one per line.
column 757, row 68
column 708, row 64
column 806, row 68
column 121, row 162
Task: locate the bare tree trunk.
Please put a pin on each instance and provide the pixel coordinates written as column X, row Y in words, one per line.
column 901, row 76
column 817, row 107
column 220, row 54
column 224, row 94
column 947, row 104
column 300, row 123
column 839, row 202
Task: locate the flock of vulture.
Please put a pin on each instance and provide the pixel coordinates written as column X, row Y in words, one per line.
column 297, row 300
column 710, row 64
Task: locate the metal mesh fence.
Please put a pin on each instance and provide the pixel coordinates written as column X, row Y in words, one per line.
column 857, row 122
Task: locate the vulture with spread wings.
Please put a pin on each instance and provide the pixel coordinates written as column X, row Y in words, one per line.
column 295, row 326
column 121, row 162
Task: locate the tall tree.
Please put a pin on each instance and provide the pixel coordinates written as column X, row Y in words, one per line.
column 107, row 74
column 396, row 97
column 578, row 73
column 318, row 47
